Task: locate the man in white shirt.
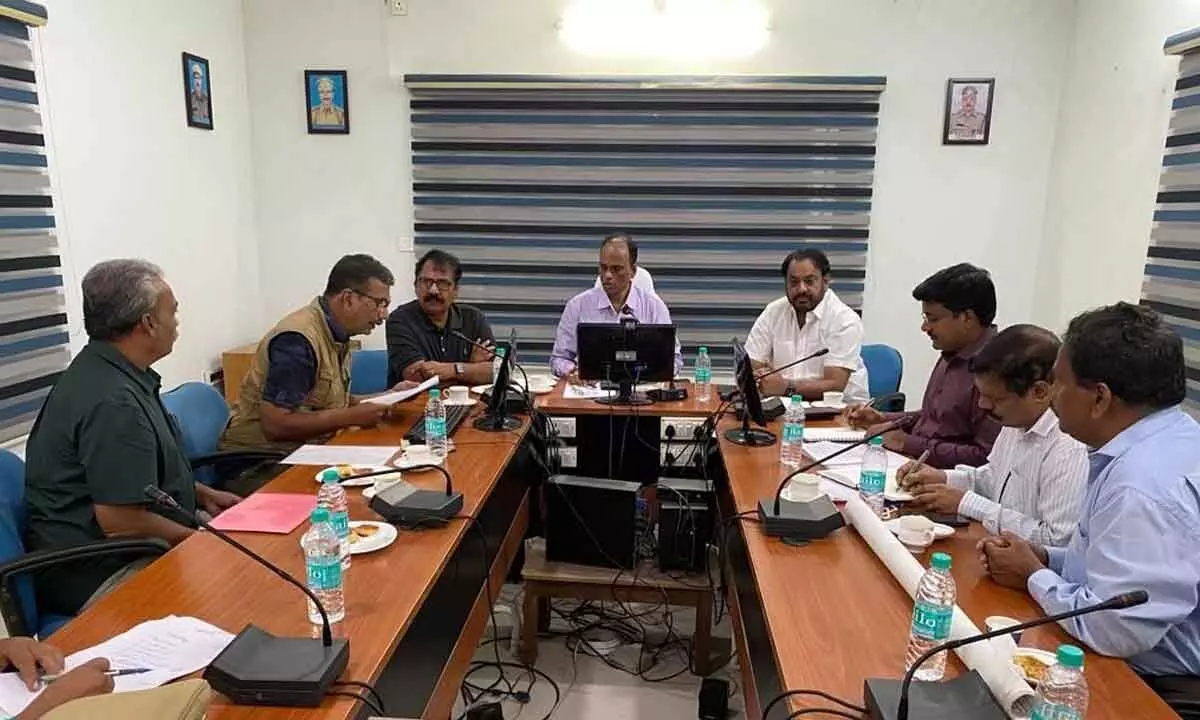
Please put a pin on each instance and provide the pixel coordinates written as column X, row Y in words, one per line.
column 641, row 276
column 1036, row 474
column 810, row 317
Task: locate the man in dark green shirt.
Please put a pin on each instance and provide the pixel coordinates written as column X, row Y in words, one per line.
column 103, row 435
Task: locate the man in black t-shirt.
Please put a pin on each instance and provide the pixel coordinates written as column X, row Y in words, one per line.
column 420, row 340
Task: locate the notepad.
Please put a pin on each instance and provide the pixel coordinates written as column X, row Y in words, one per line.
column 278, row 513
column 837, row 435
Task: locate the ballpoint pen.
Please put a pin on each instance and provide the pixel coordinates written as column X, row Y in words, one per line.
column 51, row 677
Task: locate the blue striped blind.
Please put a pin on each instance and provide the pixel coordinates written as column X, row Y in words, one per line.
column 716, row 178
column 1172, row 275
column 33, row 323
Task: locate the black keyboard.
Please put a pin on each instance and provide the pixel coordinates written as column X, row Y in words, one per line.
column 455, row 414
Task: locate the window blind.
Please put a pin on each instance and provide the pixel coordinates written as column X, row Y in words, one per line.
column 33, row 323
column 716, row 178
column 1172, row 276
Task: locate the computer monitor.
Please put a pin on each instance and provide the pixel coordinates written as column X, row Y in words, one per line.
column 626, row 353
column 495, row 418
column 747, row 385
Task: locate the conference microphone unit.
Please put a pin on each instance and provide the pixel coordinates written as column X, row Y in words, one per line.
column 966, row 696
column 816, row 518
column 408, row 506
column 258, row 668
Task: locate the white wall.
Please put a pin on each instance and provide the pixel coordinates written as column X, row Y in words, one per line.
column 132, row 179
column 320, row 196
column 1114, row 115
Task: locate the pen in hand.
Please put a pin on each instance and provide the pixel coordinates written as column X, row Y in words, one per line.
column 51, row 677
column 915, row 468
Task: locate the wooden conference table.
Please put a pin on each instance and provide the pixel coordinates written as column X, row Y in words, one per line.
column 415, row 611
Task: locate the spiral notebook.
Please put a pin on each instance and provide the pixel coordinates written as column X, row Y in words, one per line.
column 837, row 435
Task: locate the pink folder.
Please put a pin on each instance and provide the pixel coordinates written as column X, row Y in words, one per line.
column 267, row 513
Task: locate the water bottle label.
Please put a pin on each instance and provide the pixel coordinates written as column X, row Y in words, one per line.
column 341, row 523
column 324, row 573
column 931, row 622
column 703, row 375
column 872, row 481
column 435, row 429
column 793, row 432
column 1054, row 711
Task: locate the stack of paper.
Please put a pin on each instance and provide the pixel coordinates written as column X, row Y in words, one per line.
column 170, row 647
column 357, row 455
column 401, row 395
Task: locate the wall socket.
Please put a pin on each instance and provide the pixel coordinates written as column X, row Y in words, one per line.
column 564, row 427
column 568, row 457
column 398, row 7
column 685, row 428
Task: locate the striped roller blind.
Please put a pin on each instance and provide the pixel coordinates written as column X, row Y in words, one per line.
column 716, row 178
column 33, row 323
column 1172, row 280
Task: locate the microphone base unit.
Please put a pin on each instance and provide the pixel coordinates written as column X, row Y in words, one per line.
column 258, row 668
column 966, row 696
column 493, row 423
column 805, row 521
column 750, row 437
column 668, row 394
column 402, row 504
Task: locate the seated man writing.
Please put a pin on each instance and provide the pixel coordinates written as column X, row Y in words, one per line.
column 103, row 435
column 298, row 386
column 421, row 336
column 1034, row 479
column 810, row 317
column 958, row 305
column 31, row 660
column 1121, row 378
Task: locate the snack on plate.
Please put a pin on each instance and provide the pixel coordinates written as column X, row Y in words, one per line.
column 345, row 471
column 1033, row 668
column 362, row 531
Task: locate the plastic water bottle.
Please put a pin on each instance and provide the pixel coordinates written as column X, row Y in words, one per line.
column 703, row 375
column 496, row 360
column 872, row 479
column 1063, row 692
column 323, row 568
column 435, row 424
column 933, row 614
column 332, row 497
column 791, row 445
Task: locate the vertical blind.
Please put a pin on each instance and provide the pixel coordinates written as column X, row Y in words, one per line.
column 33, row 323
column 1172, row 277
column 716, row 178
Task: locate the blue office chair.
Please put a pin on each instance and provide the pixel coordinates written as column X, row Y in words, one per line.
column 885, row 369
column 368, row 372
column 17, row 603
column 201, row 414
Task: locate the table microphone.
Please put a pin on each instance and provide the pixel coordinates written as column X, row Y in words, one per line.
column 412, row 507
column 258, row 668
column 966, row 695
column 817, row 518
column 527, row 396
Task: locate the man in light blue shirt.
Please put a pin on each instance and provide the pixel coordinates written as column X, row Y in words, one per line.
column 1120, row 378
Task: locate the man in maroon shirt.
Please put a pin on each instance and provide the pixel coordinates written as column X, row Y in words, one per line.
column 958, row 305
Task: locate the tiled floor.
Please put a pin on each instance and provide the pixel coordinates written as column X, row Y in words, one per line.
column 590, row 689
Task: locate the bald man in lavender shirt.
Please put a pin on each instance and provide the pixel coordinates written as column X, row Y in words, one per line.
column 616, row 298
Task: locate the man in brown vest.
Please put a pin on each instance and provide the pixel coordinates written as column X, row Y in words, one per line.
column 298, row 387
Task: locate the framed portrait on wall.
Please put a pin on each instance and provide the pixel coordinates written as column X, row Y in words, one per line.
column 327, row 102
column 197, row 92
column 968, row 114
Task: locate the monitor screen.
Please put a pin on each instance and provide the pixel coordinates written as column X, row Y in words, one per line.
column 629, row 352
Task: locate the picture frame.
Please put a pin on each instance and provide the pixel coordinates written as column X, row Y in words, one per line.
column 963, row 121
column 197, row 92
column 327, row 102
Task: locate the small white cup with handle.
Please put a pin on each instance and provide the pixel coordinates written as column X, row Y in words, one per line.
column 915, row 533
column 458, row 393
column 833, row 399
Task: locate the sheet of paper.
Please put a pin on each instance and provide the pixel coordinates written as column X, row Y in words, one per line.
column 358, row 455
column 171, row 647
column 401, row 395
column 824, row 448
column 583, row 392
column 278, row 513
column 839, row 435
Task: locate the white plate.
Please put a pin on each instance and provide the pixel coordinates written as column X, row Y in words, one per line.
column 1046, row 657
column 407, row 462
column 361, row 482
column 384, row 536
column 940, row 531
column 539, row 385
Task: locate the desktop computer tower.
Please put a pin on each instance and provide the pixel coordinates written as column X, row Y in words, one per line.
column 685, row 524
column 591, row 521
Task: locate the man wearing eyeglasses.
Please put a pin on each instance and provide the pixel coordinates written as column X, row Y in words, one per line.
column 298, row 387
column 421, row 335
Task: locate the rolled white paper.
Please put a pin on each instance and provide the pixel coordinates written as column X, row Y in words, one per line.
column 997, row 671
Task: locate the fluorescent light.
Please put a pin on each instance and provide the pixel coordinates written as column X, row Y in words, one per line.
column 665, row 28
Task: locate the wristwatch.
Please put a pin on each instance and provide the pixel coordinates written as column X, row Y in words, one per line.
column 459, row 369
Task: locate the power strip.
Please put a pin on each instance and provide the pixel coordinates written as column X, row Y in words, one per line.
column 686, row 429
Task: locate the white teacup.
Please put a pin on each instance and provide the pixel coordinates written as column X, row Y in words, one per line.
column 999, row 622
column 802, row 488
column 383, row 482
column 458, row 393
column 833, row 399
column 915, row 533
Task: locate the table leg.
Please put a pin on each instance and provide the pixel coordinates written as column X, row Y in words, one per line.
column 527, row 648
column 702, row 640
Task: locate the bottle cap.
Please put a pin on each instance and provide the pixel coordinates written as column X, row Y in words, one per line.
column 877, row 441
column 502, row 351
column 798, row 400
column 435, row 393
column 941, row 561
column 704, row 349
column 330, row 476
column 1070, row 656
column 319, row 515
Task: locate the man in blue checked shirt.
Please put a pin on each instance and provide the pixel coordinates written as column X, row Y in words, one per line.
column 1120, row 379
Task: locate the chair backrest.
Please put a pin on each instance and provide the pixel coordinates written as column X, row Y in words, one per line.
column 201, row 414
column 368, row 371
column 12, row 530
column 885, row 369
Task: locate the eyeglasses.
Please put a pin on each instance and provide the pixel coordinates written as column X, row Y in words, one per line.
column 429, row 283
column 379, row 302
column 931, row 320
